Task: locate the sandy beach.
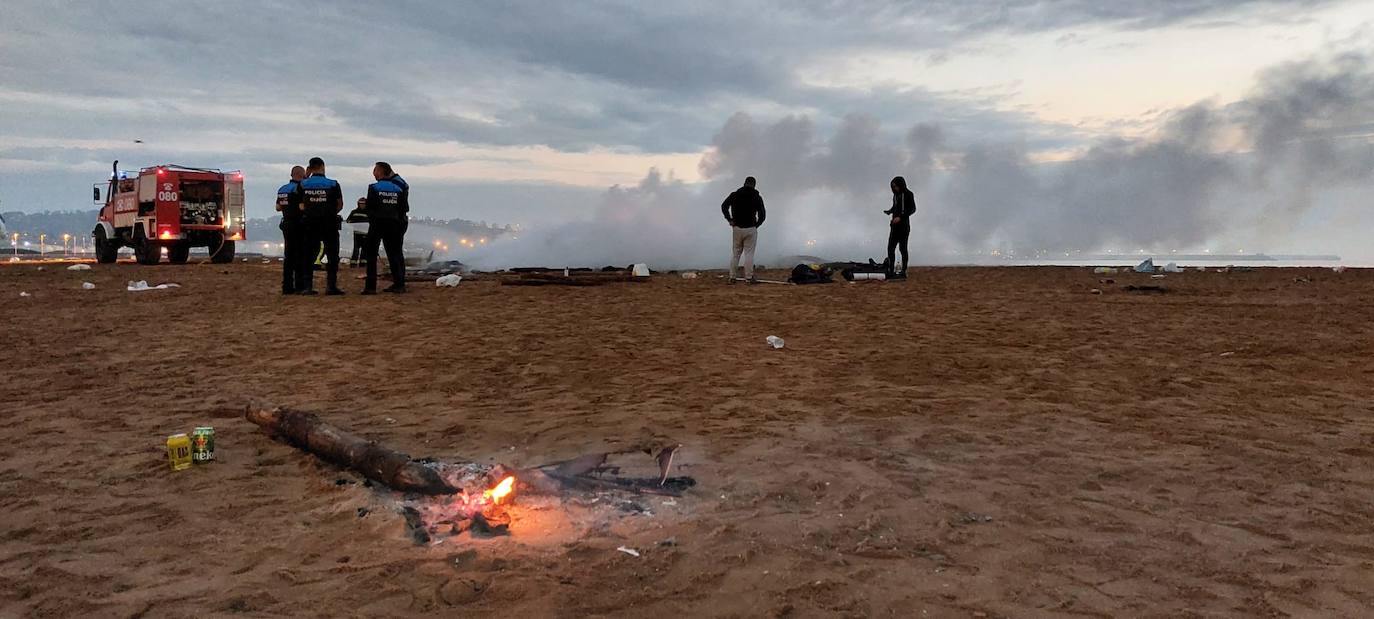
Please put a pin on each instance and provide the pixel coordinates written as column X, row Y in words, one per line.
column 974, row 442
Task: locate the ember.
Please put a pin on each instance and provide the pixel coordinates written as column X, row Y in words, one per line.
column 501, row 490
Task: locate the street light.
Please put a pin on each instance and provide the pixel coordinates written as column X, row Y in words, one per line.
column 66, row 238
column 40, row 244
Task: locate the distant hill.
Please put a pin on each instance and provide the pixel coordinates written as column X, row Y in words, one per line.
column 52, row 223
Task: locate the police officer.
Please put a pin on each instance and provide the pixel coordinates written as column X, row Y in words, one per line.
column 292, row 231
column 388, row 206
column 322, row 199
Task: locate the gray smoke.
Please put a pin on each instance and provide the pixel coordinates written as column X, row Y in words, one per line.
column 1246, row 171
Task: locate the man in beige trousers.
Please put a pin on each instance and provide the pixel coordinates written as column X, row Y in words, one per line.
column 744, row 211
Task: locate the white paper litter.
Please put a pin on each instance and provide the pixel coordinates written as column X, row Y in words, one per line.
column 79, row 267
column 641, row 270
column 629, row 551
column 24, row 294
column 448, row 281
column 774, row 341
column 142, row 285
column 87, row 286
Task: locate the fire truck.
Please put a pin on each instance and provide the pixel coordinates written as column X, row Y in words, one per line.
column 171, row 208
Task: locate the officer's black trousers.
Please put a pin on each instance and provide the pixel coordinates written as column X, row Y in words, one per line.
column 293, row 238
column 391, row 235
column 320, row 231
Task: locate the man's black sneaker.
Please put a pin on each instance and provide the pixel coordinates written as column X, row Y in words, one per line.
column 308, row 292
column 334, row 292
column 368, row 292
column 394, row 289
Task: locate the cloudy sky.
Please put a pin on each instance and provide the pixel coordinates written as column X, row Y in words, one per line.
column 1075, row 124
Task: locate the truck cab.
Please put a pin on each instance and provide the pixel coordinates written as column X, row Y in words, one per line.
column 171, row 209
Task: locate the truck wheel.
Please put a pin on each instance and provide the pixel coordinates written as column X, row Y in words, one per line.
column 225, row 253
column 106, row 250
column 146, row 251
column 178, row 254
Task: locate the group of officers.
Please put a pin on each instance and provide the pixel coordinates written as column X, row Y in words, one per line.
column 310, row 205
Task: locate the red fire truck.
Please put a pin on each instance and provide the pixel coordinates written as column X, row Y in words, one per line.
column 170, row 207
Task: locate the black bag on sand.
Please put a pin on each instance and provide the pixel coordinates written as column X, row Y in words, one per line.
column 858, row 267
column 810, row 274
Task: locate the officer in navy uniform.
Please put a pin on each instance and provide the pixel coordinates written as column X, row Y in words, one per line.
column 388, row 207
column 292, row 231
column 322, row 199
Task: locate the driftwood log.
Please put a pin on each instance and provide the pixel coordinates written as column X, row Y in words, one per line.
column 391, row 468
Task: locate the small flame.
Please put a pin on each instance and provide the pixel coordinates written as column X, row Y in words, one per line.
column 501, row 491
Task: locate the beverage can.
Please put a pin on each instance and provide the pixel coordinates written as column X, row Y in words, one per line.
column 203, row 444
column 179, row 451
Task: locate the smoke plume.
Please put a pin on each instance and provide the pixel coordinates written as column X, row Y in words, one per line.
column 1248, row 170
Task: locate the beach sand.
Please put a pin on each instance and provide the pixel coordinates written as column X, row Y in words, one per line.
column 974, row 442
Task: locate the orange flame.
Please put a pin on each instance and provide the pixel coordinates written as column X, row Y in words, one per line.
column 500, row 491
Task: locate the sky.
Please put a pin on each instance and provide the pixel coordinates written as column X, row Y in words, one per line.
column 610, row 131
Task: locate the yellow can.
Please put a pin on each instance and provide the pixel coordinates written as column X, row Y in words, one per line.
column 179, row 451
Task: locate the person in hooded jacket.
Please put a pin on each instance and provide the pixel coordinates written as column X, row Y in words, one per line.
column 744, row 211
column 899, row 230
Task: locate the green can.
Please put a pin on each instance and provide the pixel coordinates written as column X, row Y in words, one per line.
column 202, row 444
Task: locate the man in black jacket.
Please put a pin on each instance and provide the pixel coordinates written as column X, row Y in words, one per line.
column 357, row 219
column 744, row 211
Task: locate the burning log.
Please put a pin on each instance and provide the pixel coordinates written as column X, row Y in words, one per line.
column 461, row 496
column 393, row 469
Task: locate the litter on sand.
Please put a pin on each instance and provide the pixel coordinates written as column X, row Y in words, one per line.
column 448, row 281
column 87, row 286
column 1172, row 267
column 629, row 551
column 79, row 267
column 1104, row 270
column 1148, row 266
column 1339, row 269
column 641, row 270
column 774, row 341
column 1156, row 277
column 24, row 294
column 142, row 285
column 689, row 275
